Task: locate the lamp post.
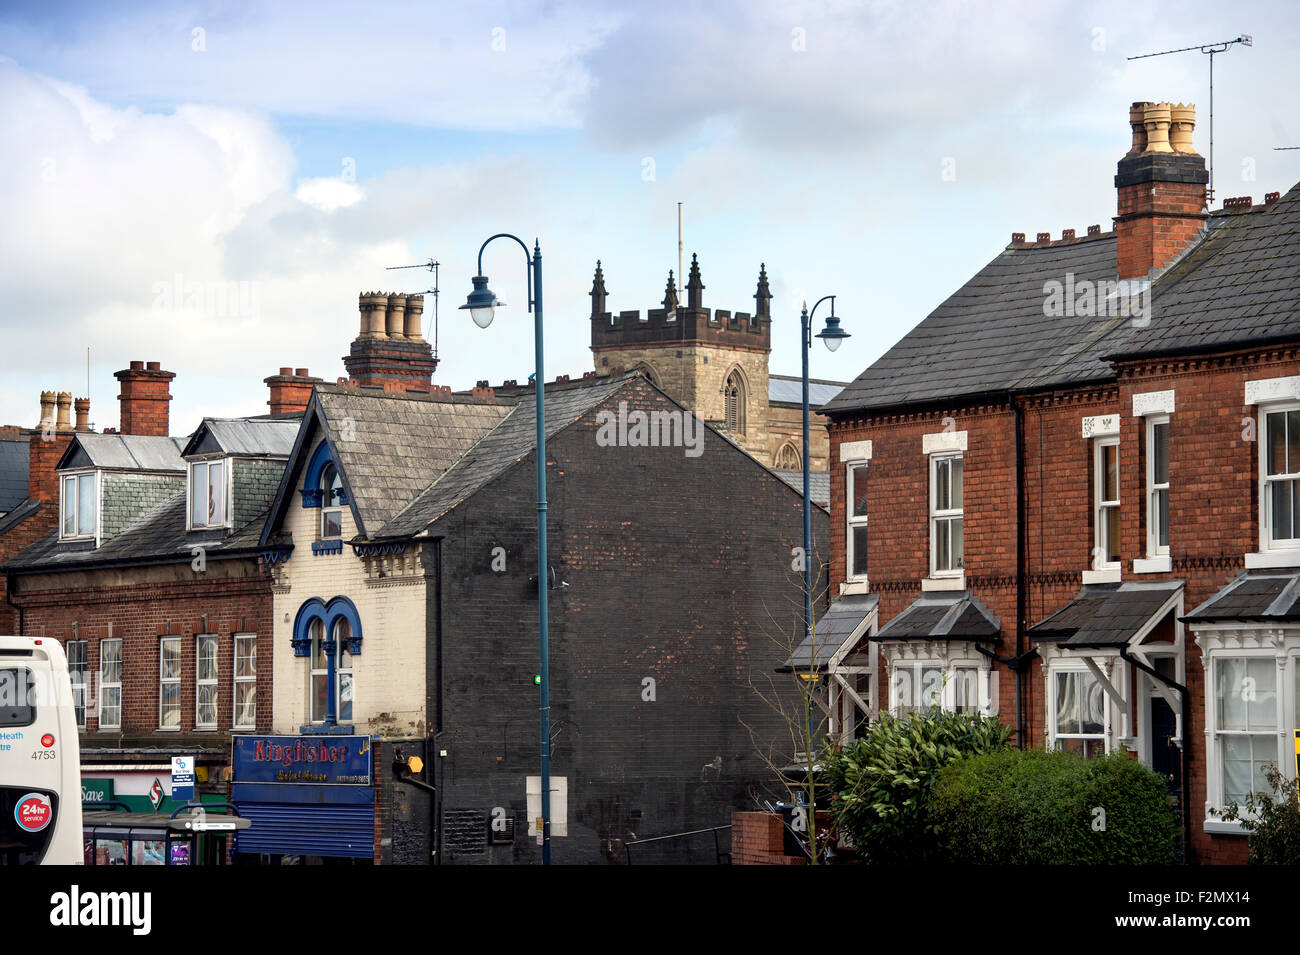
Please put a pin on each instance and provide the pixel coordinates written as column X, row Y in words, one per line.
column 481, row 304
column 833, row 336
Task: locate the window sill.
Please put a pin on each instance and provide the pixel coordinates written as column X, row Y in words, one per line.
column 1222, row 827
column 854, row 587
column 1153, row 565
column 1109, row 575
column 1273, row 558
column 953, row 582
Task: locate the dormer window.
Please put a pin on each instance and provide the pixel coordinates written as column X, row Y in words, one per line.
column 209, row 497
column 78, row 504
column 331, row 514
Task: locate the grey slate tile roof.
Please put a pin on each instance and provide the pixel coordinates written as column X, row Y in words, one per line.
column 391, row 447
column 834, row 627
column 819, row 484
column 1239, row 284
column 1106, row 615
column 786, row 389
column 14, row 457
column 245, row 436
column 513, row 438
column 943, row 615
column 157, row 535
column 19, row 514
column 1261, row 596
column 124, row 452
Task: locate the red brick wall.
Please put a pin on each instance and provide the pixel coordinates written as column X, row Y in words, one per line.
column 1156, row 222
column 139, row 614
column 758, row 838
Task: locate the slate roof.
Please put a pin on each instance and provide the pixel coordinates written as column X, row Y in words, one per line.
column 513, row 438
column 1239, row 284
column 1105, row 615
column 19, row 514
column 157, row 535
column 391, row 447
column 834, row 627
column 786, row 389
column 943, row 615
column 248, row 437
column 124, row 452
column 819, row 484
column 14, row 457
column 1263, row 596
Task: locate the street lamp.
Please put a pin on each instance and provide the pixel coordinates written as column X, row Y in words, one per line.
column 833, row 336
column 481, row 304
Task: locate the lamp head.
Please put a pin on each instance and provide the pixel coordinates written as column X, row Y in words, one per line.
column 832, row 334
column 481, row 302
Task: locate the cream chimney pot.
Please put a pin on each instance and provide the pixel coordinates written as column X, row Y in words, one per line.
column 1157, row 123
column 1137, row 120
column 414, row 316
column 64, row 422
column 47, row 410
column 396, row 315
column 1182, row 122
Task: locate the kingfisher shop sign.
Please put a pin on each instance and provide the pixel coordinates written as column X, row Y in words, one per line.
column 315, row 760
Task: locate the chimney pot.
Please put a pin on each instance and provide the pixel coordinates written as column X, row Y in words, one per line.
column 82, row 407
column 153, row 366
column 414, row 316
column 64, row 422
column 395, row 316
column 1271, row 197
column 1067, row 234
column 286, row 371
column 1017, row 238
column 1137, row 119
column 300, row 372
column 1182, row 120
column 1157, row 118
column 1044, row 237
column 1094, row 230
column 47, row 410
column 137, row 366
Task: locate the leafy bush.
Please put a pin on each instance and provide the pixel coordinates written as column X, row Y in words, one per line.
column 1273, row 826
column 1036, row 807
column 880, row 784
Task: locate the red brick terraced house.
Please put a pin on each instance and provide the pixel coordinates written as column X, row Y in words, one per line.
column 1071, row 494
column 151, row 580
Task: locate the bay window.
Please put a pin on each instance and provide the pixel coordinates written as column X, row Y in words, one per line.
column 1080, row 714
column 1245, row 723
column 952, row 686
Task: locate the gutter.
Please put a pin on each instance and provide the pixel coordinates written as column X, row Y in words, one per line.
column 1186, row 747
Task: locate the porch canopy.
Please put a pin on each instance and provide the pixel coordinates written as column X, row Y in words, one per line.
column 943, row 615
column 835, row 635
column 1261, row 597
column 1108, row 616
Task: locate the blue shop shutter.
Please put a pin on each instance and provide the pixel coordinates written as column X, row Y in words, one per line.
column 310, row 830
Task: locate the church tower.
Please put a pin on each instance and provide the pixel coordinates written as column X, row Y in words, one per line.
column 713, row 361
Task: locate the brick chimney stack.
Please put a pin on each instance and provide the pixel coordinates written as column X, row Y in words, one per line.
column 389, row 351
column 145, row 397
column 46, row 444
column 290, row 391
column 1161, row 183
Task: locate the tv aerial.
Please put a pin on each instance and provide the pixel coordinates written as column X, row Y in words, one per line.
column 432, row 266
column 1211, row 49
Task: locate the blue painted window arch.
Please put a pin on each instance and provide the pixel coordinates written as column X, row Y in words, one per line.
column 337, row 678
column 318, row 468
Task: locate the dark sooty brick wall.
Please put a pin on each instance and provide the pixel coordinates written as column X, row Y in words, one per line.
column 678, row 570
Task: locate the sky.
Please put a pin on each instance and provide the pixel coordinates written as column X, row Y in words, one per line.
column 211, row 185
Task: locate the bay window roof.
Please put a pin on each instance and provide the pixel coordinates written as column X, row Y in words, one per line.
column 943, row 615
column 1260, row 597
column 1107, row 615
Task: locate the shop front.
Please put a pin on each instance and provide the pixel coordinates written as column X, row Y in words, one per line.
column 310, row 799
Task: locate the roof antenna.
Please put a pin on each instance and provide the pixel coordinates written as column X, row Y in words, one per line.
column 1210, row 48
column 432, row 266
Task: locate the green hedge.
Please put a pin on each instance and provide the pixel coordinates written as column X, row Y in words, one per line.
column 879, row 784
column 1035, row 807
column 1273, row 824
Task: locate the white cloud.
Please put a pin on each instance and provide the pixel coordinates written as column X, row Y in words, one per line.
column 328, row 194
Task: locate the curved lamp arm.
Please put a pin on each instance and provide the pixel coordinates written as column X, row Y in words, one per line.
column 528, row 262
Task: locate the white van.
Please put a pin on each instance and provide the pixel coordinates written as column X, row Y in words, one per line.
column 40, row 758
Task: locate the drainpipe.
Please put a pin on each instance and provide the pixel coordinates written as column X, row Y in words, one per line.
column 435, row 804
column 9, row 599
column 1020, row 661
column 1186, row 748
